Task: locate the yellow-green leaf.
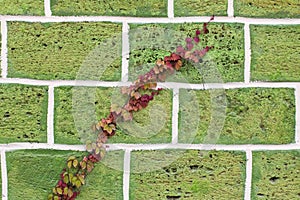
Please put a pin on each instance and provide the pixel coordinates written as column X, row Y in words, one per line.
column 75, row 163
column 59, row 190
column 83, row 164
column 70, row 193
column 81, row 178
column 65, row 191
column 66, row 179
column 69, row 164
column 78, row 183
column 71, row 158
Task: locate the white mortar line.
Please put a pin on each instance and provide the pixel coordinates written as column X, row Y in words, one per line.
column 125, row 51
column 247, row 194
column 134, row 147
column 175, row 111
column 170, row 8
column 50, row 116
column 297, row 103
column 148, row 20
column 247, row 44
column 230, row 8
column 170, row 85
column 126, row 175
column 4, row 176
column 47, row 8
column 3, row 49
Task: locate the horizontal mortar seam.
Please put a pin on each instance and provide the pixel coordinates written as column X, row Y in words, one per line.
column 120, row 146
column 265, row 21
column 171, row 85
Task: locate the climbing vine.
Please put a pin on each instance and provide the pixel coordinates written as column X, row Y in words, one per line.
column 139, row 94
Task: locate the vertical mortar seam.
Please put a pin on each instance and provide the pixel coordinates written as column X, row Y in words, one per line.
column 47, row 8
column 175, row 111
column 247, row 62
column 3, row 49
column 230, row 8
column 50, row 116
column 4, row 176
column 248, row 182
column 125, row 51
column 126, row 174
column 297, row 114
column 170, row 8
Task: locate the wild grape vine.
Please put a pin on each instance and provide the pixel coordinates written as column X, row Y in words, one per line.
column 139, row 94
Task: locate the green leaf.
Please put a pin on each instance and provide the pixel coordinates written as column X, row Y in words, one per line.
column 74, row 179
column 71, row 177
column 54, row 191
column 97, row 150
column 56, row 198
column 83, row 164
column 50, row 196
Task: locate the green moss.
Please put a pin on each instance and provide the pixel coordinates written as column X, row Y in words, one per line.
column 106, row 180
column 276, row 175
column 59, row 50
column 93, row 104
column 203, row 8
column 0, row 178
column 252, row 115
column 24, row 7
column 23, row 113
column 225, row 62
column 38, row 171
column 266, row 8
column 275, row 53
column 112, row 7
column 188, row 174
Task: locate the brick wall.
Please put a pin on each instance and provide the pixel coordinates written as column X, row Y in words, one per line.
column 257, row 153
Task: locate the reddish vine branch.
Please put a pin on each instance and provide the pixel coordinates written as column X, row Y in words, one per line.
column 139, row 95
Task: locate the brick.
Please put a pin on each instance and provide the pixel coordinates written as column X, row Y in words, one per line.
column 237, row 116
column 276, row 175
column 60, row 50
column 191, row 174
column 266, row 8
column 184, row 8
column 24, row 7
column 224, row 63
column 23, row 113
column 38, row 172
column 136, row 8
column 275, row 53
column 147, row 126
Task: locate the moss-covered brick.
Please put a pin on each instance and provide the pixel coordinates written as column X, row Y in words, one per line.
column 275, row 53
column 200, row 8
column 266, row 8
column 137, row 8
column 191, row 174
column 224, row 63
column 75, row 114
column 60, row 50
column 24, row 7
column 248, row 116
column 23, row 113
column 33, row 173
column 276, row 175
